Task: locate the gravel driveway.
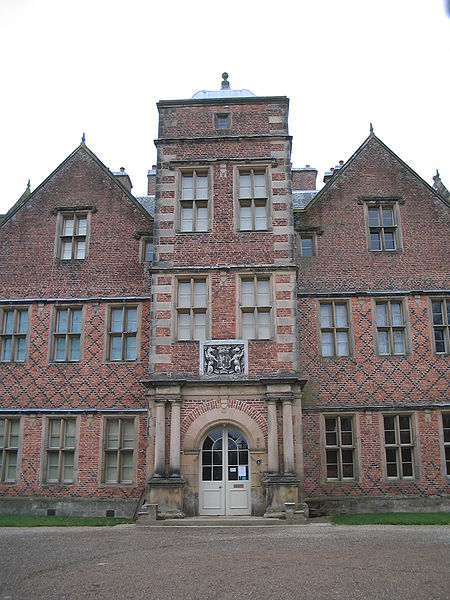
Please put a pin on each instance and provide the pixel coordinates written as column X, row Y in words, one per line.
column 237, row 562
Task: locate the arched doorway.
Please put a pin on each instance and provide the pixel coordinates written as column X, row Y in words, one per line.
column 224, row 473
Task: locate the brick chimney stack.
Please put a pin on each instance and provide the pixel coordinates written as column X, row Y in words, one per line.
column 304, row 178
column 151, row 179
column 124, row 178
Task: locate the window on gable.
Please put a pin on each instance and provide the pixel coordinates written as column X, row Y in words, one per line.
column 334, row 329
column 256, row 308
column 340, row 448
column 122, row 333
column 390, row 327
column 119, row 451
column 399, row 446
column 72, row 235
column 194, row 200
column 66, row 334
column 9, row 448
column 253, row 201
column 441, row 325
column 60, row 450
column 192, row 309
column 382, row 227
column 13, row 334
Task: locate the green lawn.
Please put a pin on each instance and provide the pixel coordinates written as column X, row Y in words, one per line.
column 403, row 518
column 18, row 521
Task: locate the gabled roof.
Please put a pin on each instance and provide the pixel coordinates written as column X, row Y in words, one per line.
column 27, row 195
column 337, row 174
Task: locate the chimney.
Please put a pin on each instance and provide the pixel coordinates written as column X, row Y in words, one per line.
column 151, row 178
column 124, row 178
column 329, row 174
column 304, row 178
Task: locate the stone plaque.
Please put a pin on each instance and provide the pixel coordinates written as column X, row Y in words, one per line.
column 224, row 357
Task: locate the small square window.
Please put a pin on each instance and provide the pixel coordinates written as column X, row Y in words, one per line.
column 222, row 121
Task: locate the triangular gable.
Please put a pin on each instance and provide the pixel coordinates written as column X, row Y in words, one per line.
column 24, row 199
column 337, row 174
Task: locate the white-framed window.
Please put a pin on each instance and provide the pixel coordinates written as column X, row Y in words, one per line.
column 391, row 336
column 256, row 307
column 253, row 200
column 60, row 443
column 122, row 333
column 399, row 446
column 340, row 447
column 382, row 226
column 66, row 334
column 9, row 448
column 446, row 441
column 14, row 329
column 440, row 308
column 194, row 201
column 334, row 328
column 192, row 308
column 119, row 447
column 72, row 235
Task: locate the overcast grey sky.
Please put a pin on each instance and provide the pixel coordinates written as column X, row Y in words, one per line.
column 99, row 66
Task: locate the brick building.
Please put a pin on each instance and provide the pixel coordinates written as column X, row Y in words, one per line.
column 233, row 341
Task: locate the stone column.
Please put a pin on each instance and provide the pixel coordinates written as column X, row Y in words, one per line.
column 288, row 437
column 272, row 442
column 160, row 437
column 175, row 438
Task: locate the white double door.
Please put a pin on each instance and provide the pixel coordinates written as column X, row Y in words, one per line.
column 224, row 473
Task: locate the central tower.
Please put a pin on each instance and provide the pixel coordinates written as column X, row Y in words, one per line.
column 224, row 350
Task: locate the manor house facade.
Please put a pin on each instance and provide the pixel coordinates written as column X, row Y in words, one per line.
column 235, row 340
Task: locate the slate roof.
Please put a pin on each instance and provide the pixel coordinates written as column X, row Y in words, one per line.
column 147, row 203
column 301, row 198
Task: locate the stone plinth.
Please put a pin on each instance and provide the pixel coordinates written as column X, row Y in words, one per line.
column 167, row 493
column 280, row 489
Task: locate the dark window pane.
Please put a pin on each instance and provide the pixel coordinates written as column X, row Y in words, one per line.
column 403, row 421
column 217, row 457
column 217, row 473
column 388, row 423
column 207, row 458
column 330, row 424
column 207, row 444
column 347, row 438
column 206, row 474
column 389, row 437
column 232, row 473
column 232, row 458
column 243, row 457
column 439, row 340
column 437, row 313
column 331, row 439
column 405, row 437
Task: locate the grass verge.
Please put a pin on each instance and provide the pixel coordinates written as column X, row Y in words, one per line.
column 396, row 518
column 32, row 521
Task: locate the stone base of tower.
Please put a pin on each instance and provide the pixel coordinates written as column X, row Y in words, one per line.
column 167, row 494
column 280, row 490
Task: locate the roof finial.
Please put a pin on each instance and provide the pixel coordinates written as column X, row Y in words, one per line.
column 83, row 138
column 371, row 128
column 28, row 185
column 225, row 83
